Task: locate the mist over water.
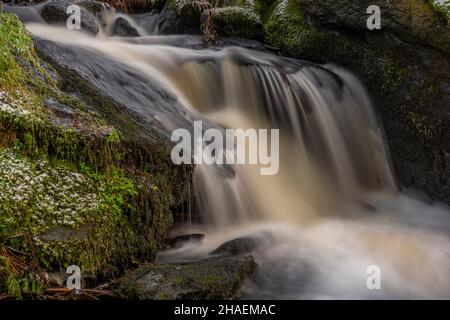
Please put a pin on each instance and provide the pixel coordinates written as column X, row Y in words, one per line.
column 333, row 209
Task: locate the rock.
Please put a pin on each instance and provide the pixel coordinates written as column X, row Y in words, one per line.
column 244, row 245
column 180, row 240
column 124, row 29
column 410, row 20
column 95, row 8
column 59, row 109
column 237, row 246
column 237, row 21
column 405, row 65
column 56, row 13
column 26, row 14
column 188, row 16
column 216, row 278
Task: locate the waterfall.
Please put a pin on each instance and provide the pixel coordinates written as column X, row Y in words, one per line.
column 333, row 208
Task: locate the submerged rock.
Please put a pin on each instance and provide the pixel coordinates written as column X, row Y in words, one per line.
column 213, row 278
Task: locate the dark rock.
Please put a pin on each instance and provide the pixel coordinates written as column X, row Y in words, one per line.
column 217, row 278
column 56, row 13
column 245, row 245
column 123, row 28
column 237, row 246
column 168, row 21
column 95, row 7
column 237, row 21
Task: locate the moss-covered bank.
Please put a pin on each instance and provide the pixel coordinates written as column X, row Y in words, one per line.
column 76, row 187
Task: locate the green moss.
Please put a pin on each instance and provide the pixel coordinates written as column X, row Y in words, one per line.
column 441, row 7
column 132, row 185
column 15, row 41
column 383, row 68
column 238, row 22
column 288, row 29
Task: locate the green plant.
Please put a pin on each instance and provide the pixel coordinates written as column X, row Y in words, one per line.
column 14, row 41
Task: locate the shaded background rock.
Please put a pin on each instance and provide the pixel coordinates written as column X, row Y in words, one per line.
column 55, row 12
column 123, row 28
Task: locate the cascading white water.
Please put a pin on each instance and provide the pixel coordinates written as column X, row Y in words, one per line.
column 332, row 210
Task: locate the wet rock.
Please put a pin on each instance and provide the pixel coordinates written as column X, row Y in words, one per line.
column 56, row 13
column 237, row 246
column 26, row 14
column 180, row 240
column 213, row 278
column 168, row 21
column 123, row 28
column 245, row 245
column 237, row 21
column 96, row 8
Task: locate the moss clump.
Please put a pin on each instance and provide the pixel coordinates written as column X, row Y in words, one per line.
column 238, row 22
column 58, row 216
column 14, row 41
column 287, row 29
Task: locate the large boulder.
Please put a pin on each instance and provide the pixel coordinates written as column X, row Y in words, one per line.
column 236, row 21
column 418, row 21
column 124, row 29
column 217, row 278
column 405, row 65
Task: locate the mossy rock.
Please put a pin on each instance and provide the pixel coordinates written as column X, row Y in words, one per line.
column 287, row 28
column 416, row 21
column 237, row 21
column 217, row 278
column 67, row 152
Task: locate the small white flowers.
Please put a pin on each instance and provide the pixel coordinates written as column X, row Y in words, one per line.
column 54, row 195
column 12, row 107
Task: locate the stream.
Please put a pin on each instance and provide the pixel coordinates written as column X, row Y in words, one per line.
column 334, row 208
